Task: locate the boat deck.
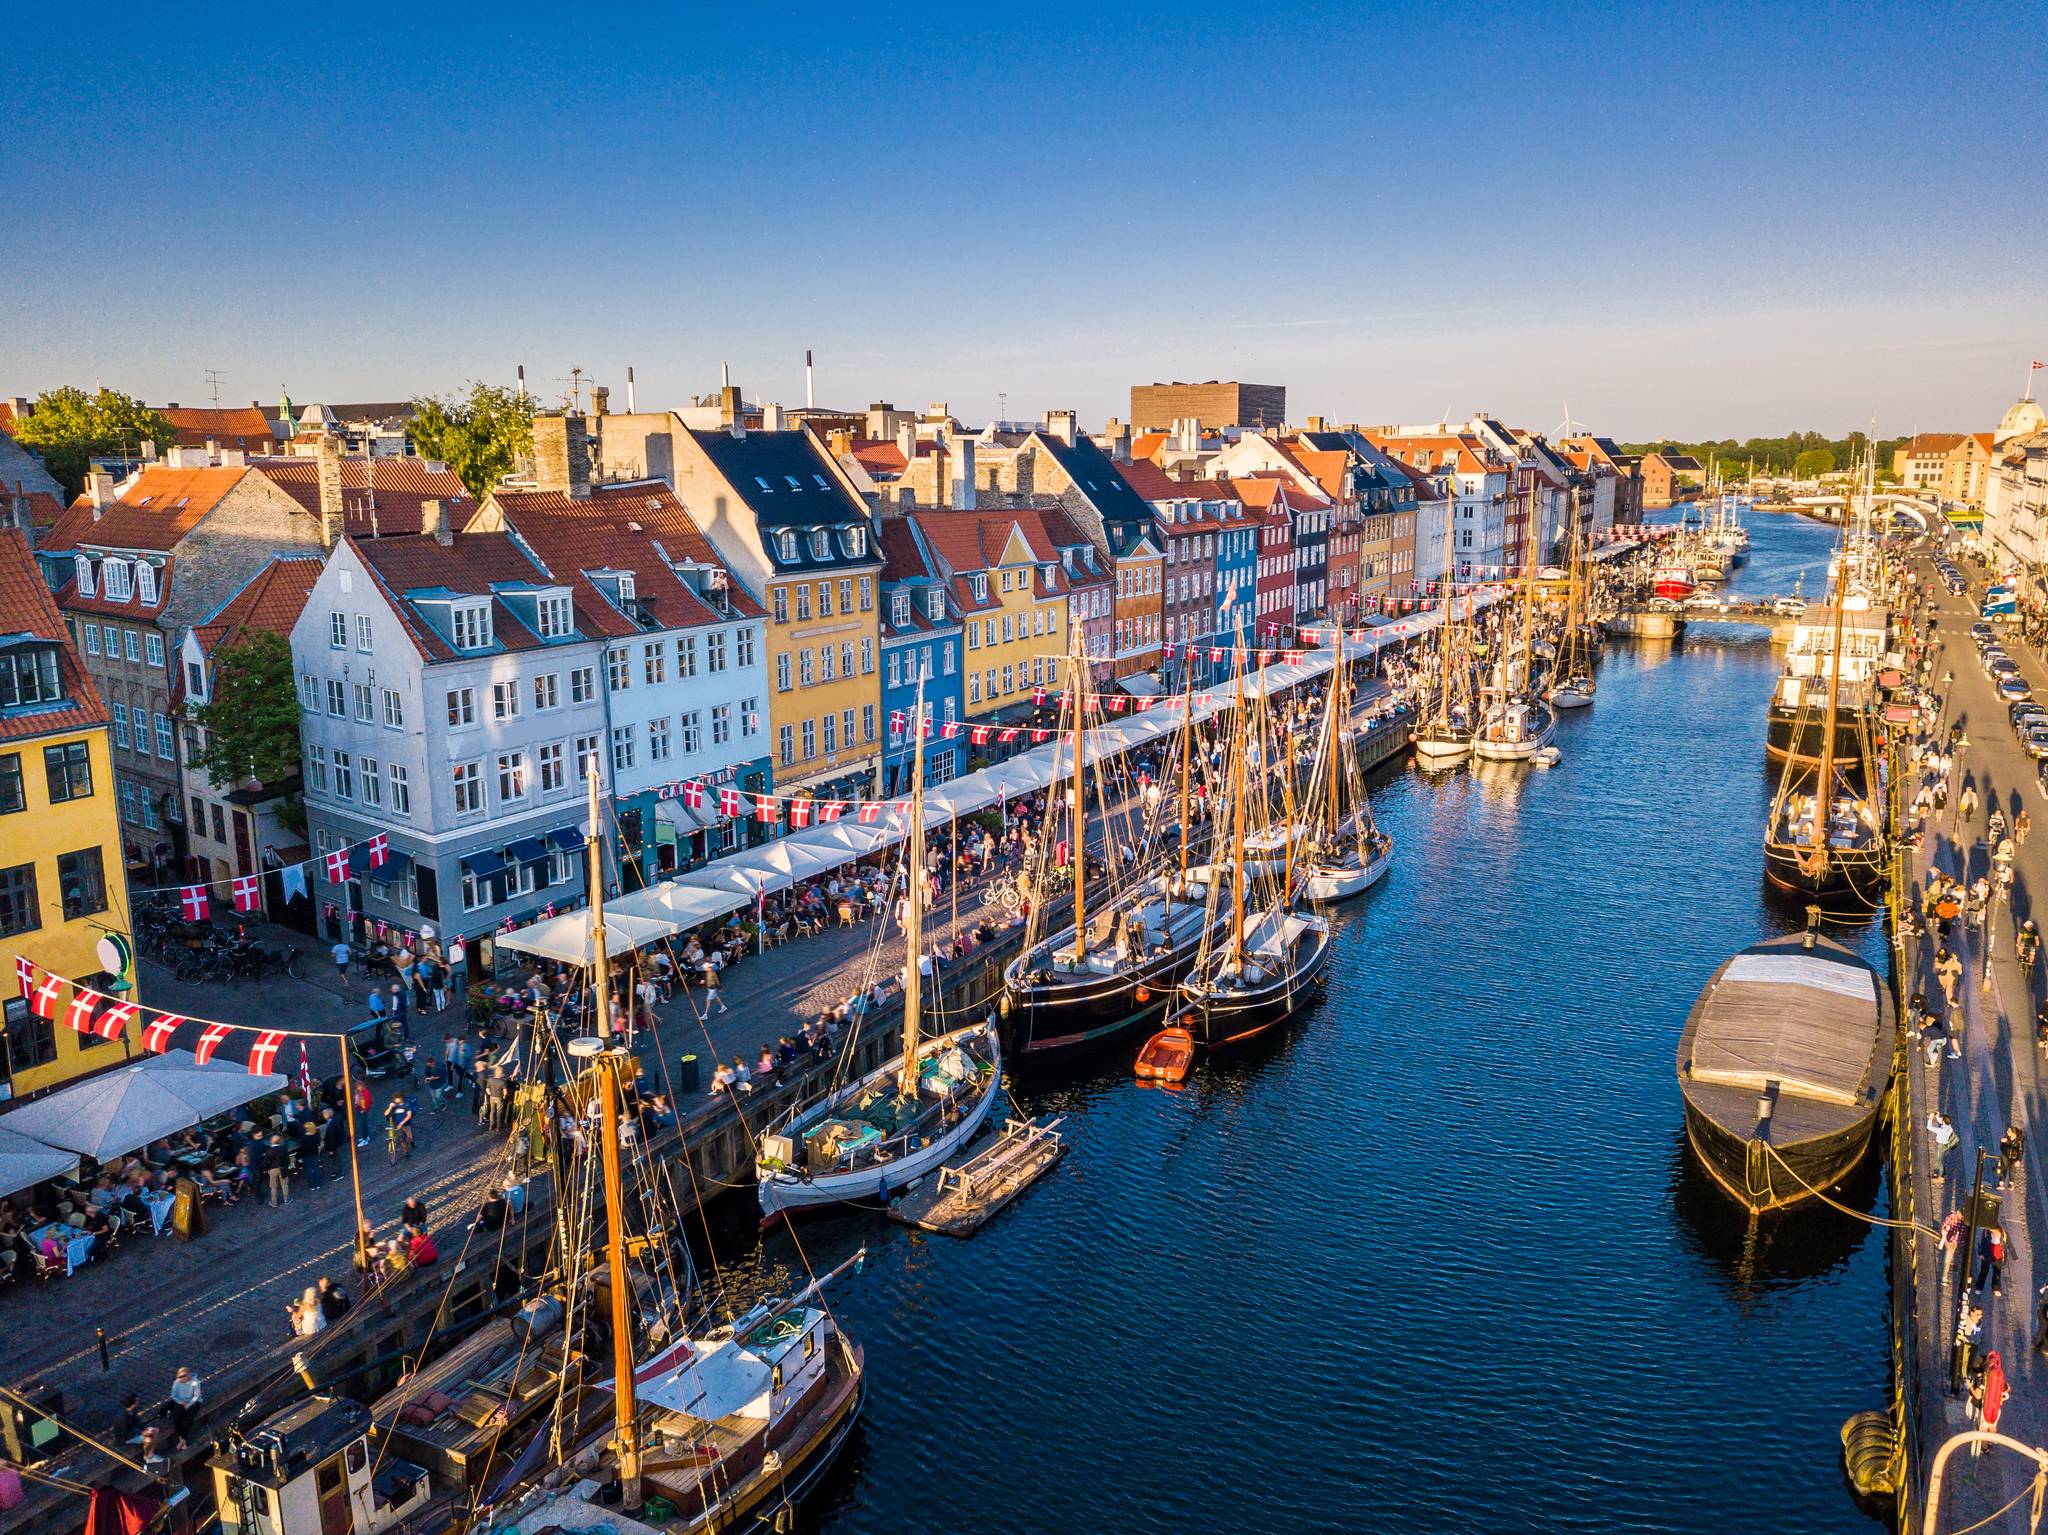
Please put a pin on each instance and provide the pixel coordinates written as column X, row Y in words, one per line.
column 960, row 1200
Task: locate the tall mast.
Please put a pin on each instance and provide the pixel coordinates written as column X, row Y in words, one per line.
column 1284, row 746
column 913, row 937
column 1528, row 608
column 1187, row 747
column 1450, row 607
column 1237, row 831
column 1824, row 791
column 627, row 1437
column 1079, row 689
column 1338, row 679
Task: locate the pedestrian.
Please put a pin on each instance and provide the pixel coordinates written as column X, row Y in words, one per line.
column 364, row 1103
column 2012, row 1150
column 414, row 1214
column 341, row 956
column 441, row 976
column 187, row 1393
column 1949, row 971
column 276, row 1171
column 451, row 1052
column 400, row 1009
column 376, row 1005
column 2021, row 825
column 1966, row 804
column 711, row 997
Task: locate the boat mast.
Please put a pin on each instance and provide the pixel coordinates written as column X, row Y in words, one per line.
column 1187, row 747
column 1338, row 678
column 913, row 933
column 1285, row 747
column 1528, row 605
column 627, row 1438
column 1080, row 854
column 1824, row 792
column 1450, row 610
column 1237, row 832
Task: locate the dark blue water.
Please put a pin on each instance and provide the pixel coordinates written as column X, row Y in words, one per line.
column 1438, row 1259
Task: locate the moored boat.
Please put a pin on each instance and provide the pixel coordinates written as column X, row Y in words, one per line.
column 1165, row 1057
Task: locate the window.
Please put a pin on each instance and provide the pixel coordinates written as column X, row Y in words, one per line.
column 554, row 618
column 867, row 722
column 623, row 750
column 547, row 691
column 154, row 647
column 505, row 700
column 750, row 716
column 82, row 572
column 655, row 660
column 867, row 594
column 721, row 724
column 121, row 725
column 394, row 710
column 821, row 549
column 973, row 688
column 582, row 684
column 373, row 786
column 846, row 595
column 68, row 769
column 947, row 662
column 549, row 758
column 472, row 625
column 659, row 741
column 344, row 776
column 619, row 670
column 846, row 659
column 803, row 603
column 785, row 541
column 128, row 810
column 309, row 692
column 91, row 635
column 1006, row 580
column 337, row 631
column 1008, row 633
column 366, row 703
column 585, row 752
column 19, row 910
column 803, row 667
column 401, row 790
column 831, row 734
column 469, row 788
column 893, row 672
column 337, row 700
column 782, row 672
column 935, row 605
column 693, row 734
column 475, row 892
column 461, row 707
column 867, row 655
column 782, row 598
column 316, row 768
column 786, row 744
column 825, row 663
column 810, row 729
column 131, row 643
column 1009, row 684
column 824, row 599
column 744, row 647
column 714, row 651
column 856, row 541
column 511, row 777
column 113, row 641
column 13, row 796
column 899, row 609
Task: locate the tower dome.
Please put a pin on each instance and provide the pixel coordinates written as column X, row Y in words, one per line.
column 2023, row 417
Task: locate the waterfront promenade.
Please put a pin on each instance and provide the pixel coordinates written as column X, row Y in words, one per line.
column 2000, row 1080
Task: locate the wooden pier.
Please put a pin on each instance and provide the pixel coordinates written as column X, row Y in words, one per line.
column 959, row 1200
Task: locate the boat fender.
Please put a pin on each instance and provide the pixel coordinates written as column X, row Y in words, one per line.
column 1004, row 1005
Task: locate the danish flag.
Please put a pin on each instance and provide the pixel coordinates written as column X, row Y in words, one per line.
column 831, row 809
column 210, row 1039
column 1116, row 706
column 1167, row 652
column 730, row 805
column 1041, row 735
column 978, row 735
column 1062, row 852
column 1216, row 652
column 337, row 866
column 693, row 794
column 799, row 812
column 870, row 812
column 767, row 809
column 246, row 891
column 263, row 1054
column 192, row 901
column 380, row 851
column 1038, row 697
column 84, row 1004
column 897, row 720
column 156, row 1036
column 43, row 1003
column 305, row 1072
column 25, row 972
column 113, row 1023
column 1008, row 735
column 1291, row 657
column 950, row 729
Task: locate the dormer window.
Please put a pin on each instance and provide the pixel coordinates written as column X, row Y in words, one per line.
column 794, row 482
column 555, row 620
column 28, row 675
column 856, row 542
column 115, row 574
column 980, row 587
column 145, row 583
column 899, row 610
column 937, row 606
column 821, row 544
column 1048, row 572
column 766, row 488
column 472, row 623
column 83, row 568
column 785, row 545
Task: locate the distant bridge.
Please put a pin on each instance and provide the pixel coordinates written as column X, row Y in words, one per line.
column 1916, row 509
column 1646, row 621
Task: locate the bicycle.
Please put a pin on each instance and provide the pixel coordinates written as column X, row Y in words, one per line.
column 395, row 1139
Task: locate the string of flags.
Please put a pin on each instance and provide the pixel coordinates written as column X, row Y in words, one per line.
column 95, row 1014
column 245, row 891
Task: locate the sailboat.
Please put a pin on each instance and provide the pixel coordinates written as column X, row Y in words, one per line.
column 1572, row 685
column 1099, row 977
column 1517, row 723
column 1347, row 852
column 875, row 1137
column 1445, row 737
column 1263, row 965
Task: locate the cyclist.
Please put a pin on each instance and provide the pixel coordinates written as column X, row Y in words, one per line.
column 398, row 1116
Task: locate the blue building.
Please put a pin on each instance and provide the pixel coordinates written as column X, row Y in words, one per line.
column 1237, row 575
column 921, row 638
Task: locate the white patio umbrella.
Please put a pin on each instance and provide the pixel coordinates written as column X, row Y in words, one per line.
column 122, row 1110
column 25, row 1162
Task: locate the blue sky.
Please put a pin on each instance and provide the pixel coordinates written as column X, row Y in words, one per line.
column 1727, row 221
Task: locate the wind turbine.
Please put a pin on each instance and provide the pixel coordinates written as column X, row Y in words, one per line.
column 1568, row 427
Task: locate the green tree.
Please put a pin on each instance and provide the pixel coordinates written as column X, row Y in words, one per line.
column 251, row 718
column 1813, row 463
column 69, row 427
column 480, row 435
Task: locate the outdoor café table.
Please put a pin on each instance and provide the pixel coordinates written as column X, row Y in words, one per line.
column 158, row 1202
column 77, row 1244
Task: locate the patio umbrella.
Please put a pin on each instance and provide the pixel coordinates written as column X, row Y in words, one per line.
column 25, row 1162
column 105, row 1116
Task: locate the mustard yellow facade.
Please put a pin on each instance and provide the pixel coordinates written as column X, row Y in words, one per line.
column 62, row 888
column 1015, row 628
column 824, row 692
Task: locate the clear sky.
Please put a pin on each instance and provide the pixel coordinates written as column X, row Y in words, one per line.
column 1681, row 220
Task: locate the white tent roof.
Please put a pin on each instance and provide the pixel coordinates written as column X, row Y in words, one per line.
column 122, row 1110
column 25, row 1162
column 566, row 938
column 210, row 1089
column 687, row 904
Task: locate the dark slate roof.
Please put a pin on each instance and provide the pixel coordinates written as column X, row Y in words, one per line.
column 1090, row 468
column 792, row 468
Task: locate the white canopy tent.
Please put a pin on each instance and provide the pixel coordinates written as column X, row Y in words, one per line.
column 125, row 1109
column 671, row 902
column 25, row 1162
column 566, row 939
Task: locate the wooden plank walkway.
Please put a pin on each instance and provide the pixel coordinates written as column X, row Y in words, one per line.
column 958, row 1201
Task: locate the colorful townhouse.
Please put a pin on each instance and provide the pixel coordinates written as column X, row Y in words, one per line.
column 1010, row 590
column 63, row 885
column 1140, row 566
column 1091, row 593
column 922, row 642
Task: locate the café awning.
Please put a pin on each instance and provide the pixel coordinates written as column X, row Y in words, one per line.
column 25, row 1162
column 125, row 1109
column 567, row 939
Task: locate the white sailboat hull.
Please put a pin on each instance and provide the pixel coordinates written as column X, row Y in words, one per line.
column 1568, row 695
column 1341, row 884
column 1443, row 748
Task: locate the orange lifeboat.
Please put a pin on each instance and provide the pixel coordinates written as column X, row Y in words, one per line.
column 1166, row 1055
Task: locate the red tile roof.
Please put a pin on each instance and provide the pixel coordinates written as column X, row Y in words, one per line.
column 231, row 426
column 43, row 508
column 1147, row 444
column 394, row 487
column 1927, row 443
column 69, row 599
column 157, row 508
column 469, row 565
column 27, row 607
column 270, row 603
column 1154, row 484
column 880, row 457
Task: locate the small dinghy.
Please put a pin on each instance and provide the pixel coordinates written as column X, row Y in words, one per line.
column 1550, row 756
column 1166, row 1055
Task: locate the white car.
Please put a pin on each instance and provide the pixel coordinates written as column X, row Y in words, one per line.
column 1790, row 607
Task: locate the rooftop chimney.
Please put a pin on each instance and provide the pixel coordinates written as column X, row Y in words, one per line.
column 771, row 416
column 810, row 390
column 632, row 400
column 434, row 522
column 327, row 471
column 729, row 407
column 1061, row 424
column 149, row 450
column 600, row 400
column 561, row 455
column 522, row 381
column 963, row 472
column 839, row 442
column 906, row 442
column 100, row 486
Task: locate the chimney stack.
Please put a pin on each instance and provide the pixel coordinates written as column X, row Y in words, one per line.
column 100, row 486
column 149, row 450
column 522, row 381
column 963, row 472
column 1061, row 424
column 561, row 455
column 771, row 416
column 601, row 400
column 632, row 399
column 434, row 522
column 839, row 442
column 327, row 471
column 810, row 389
column 906, row 443
column 730, row 409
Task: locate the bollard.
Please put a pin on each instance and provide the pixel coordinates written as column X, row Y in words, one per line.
column 105, row 1363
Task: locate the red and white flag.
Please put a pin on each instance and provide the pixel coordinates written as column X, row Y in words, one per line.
column 978, row 735
column 799, row 812
column 1008, row 735
column 950, row 729
column 1216, row 652
column 192, row 902
column 113, row 1023
column 305, row 1072
column 156, row 1034
column 1038, row 697
column 84, row 1004
column 897, row 720
column 43, row 1000
column 337, row 866
column 263, row 1054
column 870, row 812
column 380, row 851
column 25, row 973
column 210, row 1040
column 730, row 805
column 767, row 809
column 247, row 890
column 1041, row 735
column 693, row 794
column 830, row 810
column 1062, row 852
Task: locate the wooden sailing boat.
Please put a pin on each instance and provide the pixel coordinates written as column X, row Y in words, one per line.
column 1572, row 685
column 875, row 1137
column 1516, row 723
column 1444, row 737
column 1102, row 976
column 1347, row 853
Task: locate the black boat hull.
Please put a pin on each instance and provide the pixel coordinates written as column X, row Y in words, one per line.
column 1062, row 1014
column 1854, row 874
column 1220, row 1019
column 1764, row 1178
column 1796, row 735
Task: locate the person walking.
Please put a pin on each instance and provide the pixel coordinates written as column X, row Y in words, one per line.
column 376, row 1005
column 277, row 1171
column 340, row 955
column 1949, row 971
column 451, row 1059
column 441, row 979
column 400, row 1008
column 2012, row 1150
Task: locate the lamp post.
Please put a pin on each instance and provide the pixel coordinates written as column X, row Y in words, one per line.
column 1958, row 1360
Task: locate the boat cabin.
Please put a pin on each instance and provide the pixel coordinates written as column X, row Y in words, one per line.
column 311, row 1470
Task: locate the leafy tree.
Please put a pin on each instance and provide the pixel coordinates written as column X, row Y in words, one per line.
column 68, row 427
column 479, row 435
column 251, row 719
column 1813, row 463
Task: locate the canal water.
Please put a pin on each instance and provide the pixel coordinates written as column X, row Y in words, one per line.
column 1439, row 1259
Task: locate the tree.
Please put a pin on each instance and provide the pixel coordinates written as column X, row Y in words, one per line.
column 1814, row 463
column 69, row 427
column 480, row 435
column 251, row 718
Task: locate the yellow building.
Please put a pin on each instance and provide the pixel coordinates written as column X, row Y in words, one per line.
column 791, row 527
column 1011, row 590
column 62, row 885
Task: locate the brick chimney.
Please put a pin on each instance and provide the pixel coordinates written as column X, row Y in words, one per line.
column 99, row 485
column 962, row 488
column 434, row 522
column 906, row 443
column 839, row 442
column 327, row 472
column 600, row 400
column 561, row 455
column 1061, row 424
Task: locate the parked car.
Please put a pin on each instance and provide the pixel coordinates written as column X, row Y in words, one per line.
column 1980, row 631
column 1790, row 607
column 1662, row 605
column 2026, row 710
column 2014, row 687
column 2035, row 740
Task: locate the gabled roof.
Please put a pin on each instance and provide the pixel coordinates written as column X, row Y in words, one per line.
column 391, row 488
column 71, row 600
column 230, row 426
column 1918, row 444
column 270, row 602
column 785, row 478
column 880, row 457
column 408, row 565
column 43, row 508
column 1146, row 444
column 157, row 508
column 28, row 608
column 1095, row 476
